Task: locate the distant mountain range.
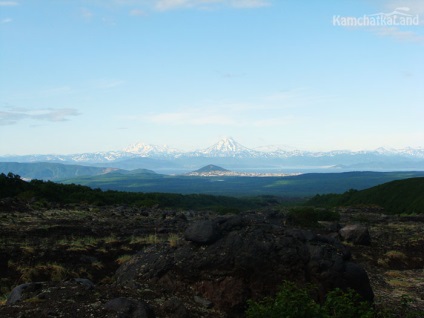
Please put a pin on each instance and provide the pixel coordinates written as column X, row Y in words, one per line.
column 51, row 171
column 232, row 155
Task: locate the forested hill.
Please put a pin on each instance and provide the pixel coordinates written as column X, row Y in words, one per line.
column 400, row 196
column 37, row 191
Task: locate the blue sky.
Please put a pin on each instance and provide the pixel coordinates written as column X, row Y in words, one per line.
column 96, row 75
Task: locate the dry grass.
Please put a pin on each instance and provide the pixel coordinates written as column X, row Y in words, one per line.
column 123, row 259
column 398, row 283
column 173, row 240
column 395, row 255
column 394, row 274
column 40, row 272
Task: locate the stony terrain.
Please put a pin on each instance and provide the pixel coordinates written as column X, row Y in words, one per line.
column 394, row 260
column 120, row 261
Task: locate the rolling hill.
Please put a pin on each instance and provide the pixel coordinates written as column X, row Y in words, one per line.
column 396, row 197
column 51, row 171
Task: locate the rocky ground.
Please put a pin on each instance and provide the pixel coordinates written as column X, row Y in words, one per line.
column 394, row 260
column 82, row 261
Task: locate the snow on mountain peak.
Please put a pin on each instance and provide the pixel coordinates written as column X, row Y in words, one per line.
column 143, row 149
column 227, row 147
column 228, row 144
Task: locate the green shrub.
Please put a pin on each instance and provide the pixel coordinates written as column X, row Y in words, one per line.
column 346, row 304
column 290, row 301
column 309, row 216
column 294, row 302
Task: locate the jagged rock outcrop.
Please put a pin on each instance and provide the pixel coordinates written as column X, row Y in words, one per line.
column 244, row 257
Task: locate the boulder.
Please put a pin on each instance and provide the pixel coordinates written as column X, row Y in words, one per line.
column 357, row 279
column 202, row 232
column 356, row 233
column 88, row 284
column 21, row 292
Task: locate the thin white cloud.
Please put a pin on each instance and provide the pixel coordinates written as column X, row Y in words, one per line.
column 398, row 34
column 56, row 91
column 295, row 98
column 273, row 110
column 172, row 4
column 164, row 5
column 413, row 6
column 8, row 3
column 141, row 7
column 191, row 117
column 86, row 14
column 6, row 20
column 275, row 122
column 137, row 13
column 249, row 3
column 12, row 116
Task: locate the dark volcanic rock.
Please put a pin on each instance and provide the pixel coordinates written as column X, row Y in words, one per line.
column 243, row 257
column 202, row 232
column 356, row 234
column 13, row 205
column 175, row 307
column 22, row 291
column 356, row 278
column 88, row 284
column 129, row 308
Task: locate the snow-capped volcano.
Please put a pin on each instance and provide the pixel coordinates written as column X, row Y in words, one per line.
column 147, row 150
column 228, row 147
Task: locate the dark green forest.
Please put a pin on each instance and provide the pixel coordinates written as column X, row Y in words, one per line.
column 396, row 197
column 11, row 185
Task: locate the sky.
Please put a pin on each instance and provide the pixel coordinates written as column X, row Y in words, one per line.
column 96, row 75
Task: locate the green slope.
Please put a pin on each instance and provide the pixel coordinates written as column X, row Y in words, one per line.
column 50, row 171
column 40, row 192
column 400, row 196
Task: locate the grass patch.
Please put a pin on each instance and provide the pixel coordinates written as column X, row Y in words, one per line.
column 3, row 299
column 393, row 274
column 42, row 272
column 152, row 239
column 123, row 259
column 173, row 240
column 396, row 256
column 398, row 283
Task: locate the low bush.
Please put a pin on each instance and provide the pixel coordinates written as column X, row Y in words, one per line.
column 309, row 216
column 294, row 302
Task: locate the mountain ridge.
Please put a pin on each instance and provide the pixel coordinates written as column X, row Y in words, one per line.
column 234, row 155
column 225, row 146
